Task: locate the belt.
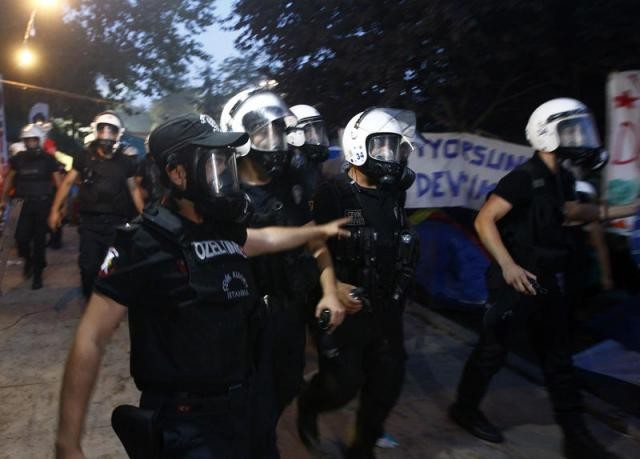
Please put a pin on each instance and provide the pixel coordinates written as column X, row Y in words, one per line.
column 190, row 402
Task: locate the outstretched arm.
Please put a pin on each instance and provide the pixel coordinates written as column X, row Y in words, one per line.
column 278, row 238
column 96, row 327
column 576, row 211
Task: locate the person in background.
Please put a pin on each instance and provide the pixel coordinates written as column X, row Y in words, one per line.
column 522, row 225
column 35, row 175
column 375, row 268
column 107, row 193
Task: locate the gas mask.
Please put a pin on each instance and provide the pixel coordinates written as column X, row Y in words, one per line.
column 269, row 147
column 310, row 139
column 580, row 144
column 386, row 159
column 32, row 145
column 106, row 139
column 212, row 185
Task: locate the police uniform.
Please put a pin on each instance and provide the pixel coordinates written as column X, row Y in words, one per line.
column 192, row 308
column 534, row 236
column 288, row 282
column 369, row 354
column 34, row 184
column 104, row 203
column 303, row 176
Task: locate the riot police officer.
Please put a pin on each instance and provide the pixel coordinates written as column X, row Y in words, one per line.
column 521, row 225
column 182, row 275
column 34, row 175
column 288, row 279
column 308, row 149
column 107, row 195
column 374, row 267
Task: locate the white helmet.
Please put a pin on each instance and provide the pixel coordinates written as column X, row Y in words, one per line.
column 309, row 129
column 565, row 126
column 257, row 111
column 383, row 134
column 33, row 131
column 107, row 126
column 546, row 123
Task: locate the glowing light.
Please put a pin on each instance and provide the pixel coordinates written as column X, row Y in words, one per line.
column 46, row 3
column 26, row 58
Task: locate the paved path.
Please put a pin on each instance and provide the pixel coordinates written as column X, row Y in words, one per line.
column 36, row 328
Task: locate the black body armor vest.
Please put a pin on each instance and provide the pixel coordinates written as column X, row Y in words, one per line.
column 534, row 234
column 104, row 189
column 196, row 326
column 384, row 267
column 291, row 275
column 33, row 176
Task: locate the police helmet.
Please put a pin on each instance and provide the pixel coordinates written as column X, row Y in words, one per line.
column 565, row 126
column 379, row 141
column 309, row 134
column 33, row 131
column 265, row 117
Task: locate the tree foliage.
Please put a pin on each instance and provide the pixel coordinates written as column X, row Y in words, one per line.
column 460, row 64
column 126, row 46
column 233, row 75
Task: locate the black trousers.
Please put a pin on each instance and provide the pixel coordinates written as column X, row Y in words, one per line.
column 545, row 320
column 31, row 232
column 371, row 360
column 279, row 378
column 202, row 428
column 288, row 355
column 97, row 233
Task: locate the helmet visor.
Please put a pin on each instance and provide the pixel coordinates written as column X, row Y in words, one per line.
column 107, row 131
column 270, row 137
column 315, row 133
column 578, row 131
column 218, row 171
column 261, row 117
column 386, row 147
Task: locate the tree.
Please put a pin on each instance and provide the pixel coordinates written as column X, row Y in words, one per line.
column 235, row 74
column 460, row 64
column 122, row 47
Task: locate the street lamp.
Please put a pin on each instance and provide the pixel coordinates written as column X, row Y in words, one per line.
column 26, row 58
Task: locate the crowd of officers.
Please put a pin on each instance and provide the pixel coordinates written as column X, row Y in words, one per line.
column 239, row 249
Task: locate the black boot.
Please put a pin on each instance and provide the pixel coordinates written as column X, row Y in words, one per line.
column 474, row 421
column 579, row 443
column 37, row 280
column 27, row 269
column 355, row 452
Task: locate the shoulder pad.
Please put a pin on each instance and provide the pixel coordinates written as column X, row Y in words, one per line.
column 162, row 220
column 342, row 183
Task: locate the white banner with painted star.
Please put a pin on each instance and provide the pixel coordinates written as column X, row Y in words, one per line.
column 623, row 140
